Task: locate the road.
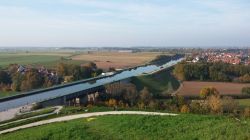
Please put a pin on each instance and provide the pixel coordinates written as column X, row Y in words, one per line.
column 85, row 115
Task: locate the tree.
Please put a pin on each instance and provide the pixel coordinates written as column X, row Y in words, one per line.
column 245, row 90
column 17, row 79
column 229, row 104
column 207, row 91
column 76, row 72
column 145, row 96
column 215, row 104
column 112, row 103
column 61, row 69
column 245, row 78
column 130, row 94
column 185, row 109
column 179, row 71
column 32, row 80
column 91, row 65
column 4, row 77
column 247, row 112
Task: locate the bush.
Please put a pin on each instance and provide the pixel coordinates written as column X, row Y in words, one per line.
column 245, row 90
column 247, row 112
column 185, row 109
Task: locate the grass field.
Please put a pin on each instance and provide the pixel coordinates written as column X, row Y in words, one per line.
column 192, row 88
column 244, row 102
column 47, row 59
column 139, row 127
column 106, row 60
column 159, row 83
column 7, row 93
column 103, row 60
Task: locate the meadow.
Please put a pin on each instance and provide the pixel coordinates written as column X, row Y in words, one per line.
column 192, row 88
column 47, row 59
column 185, row 126
column 104, row 60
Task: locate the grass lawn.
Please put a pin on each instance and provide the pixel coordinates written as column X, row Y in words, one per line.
column 139, row 127
column 159, row 83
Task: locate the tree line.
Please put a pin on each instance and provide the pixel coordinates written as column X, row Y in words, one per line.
column 219, row 71
column 13, row 79
column 119, row 95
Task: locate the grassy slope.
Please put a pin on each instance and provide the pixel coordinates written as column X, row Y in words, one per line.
column 139, row 127
column 156, row 83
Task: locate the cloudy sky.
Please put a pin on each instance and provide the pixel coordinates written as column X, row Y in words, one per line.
column 82, row 23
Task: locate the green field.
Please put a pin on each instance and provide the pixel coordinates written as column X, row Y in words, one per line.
column 244, row 102
column 159, row 83
column 7, row 93
column 36, row 59
column 139, row 127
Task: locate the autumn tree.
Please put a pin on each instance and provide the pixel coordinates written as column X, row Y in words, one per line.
column 229, row 104
column 185, row 109
column 130, row 94
column 245, row 90
column 145, row 96
column 17, row 79
column 215, row 104
column 32, row 80
column 208, row 91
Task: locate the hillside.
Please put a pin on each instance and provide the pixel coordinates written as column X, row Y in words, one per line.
column 160, row 83
column 140, row 127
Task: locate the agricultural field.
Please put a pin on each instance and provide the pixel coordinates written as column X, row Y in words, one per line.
column 244, row 102
column 105, row 60
column 185, row 126
column 47, row 59
column 161, row 83
column 7, row 93
column 192, row 88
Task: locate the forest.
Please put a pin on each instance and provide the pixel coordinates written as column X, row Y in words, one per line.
column 203, row 71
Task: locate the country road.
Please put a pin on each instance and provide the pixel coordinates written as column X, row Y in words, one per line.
column 85, row 115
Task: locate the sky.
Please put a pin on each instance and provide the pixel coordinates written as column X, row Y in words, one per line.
column 124, row 23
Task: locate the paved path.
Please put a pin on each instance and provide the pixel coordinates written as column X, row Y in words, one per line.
column 56, row 111
column 85, row 115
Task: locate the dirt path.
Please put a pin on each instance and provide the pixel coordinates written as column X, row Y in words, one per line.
column 85, row 115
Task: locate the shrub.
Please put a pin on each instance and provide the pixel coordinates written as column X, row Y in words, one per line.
column 245, row 90
column 214, row 103
column 185, row 109
column 208, row 91
column 229, row 104
column 247, row 112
